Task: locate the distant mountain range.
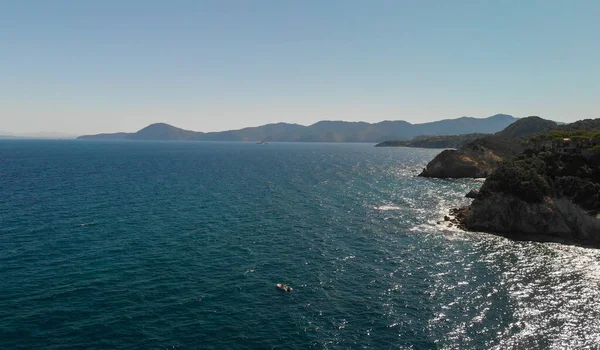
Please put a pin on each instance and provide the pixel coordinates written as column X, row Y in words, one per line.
column 324, row 131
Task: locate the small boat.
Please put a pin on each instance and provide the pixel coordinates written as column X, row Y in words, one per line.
column 262, row 143
column 284, row 287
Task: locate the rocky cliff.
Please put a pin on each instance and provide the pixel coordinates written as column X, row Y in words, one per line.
column 473, row 160
column 514, row 217
column 550, row 195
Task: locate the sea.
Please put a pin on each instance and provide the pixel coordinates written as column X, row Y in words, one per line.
column 179, row 245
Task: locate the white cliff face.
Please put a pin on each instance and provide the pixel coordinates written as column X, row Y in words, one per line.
column 555, row 217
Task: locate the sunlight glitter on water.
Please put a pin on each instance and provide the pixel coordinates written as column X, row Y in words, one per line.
column 552, row 290
column 555, row 290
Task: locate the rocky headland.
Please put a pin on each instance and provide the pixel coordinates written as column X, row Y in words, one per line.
column 547, row 194
column 479, row 158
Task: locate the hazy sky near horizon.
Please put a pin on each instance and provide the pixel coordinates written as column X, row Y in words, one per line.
column 104, row 66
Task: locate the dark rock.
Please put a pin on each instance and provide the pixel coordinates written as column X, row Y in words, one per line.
column 472, row 194
column 446, row 218
column 512, row 216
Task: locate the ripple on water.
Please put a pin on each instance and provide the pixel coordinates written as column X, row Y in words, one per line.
column 162, row 245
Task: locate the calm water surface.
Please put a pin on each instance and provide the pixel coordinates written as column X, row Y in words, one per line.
column 124, row 245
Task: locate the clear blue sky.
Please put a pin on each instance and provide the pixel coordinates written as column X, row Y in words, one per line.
column 101, row 66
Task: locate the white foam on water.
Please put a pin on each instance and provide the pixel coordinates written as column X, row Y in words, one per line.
column 386, row 207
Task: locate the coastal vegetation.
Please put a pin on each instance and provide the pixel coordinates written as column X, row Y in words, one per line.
column 562, row 163
column 551, row 189
column 439, row 141
column 561, row 135
column 532, row 176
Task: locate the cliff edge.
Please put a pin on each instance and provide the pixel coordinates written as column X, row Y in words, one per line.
column 473, row 160
column 514, row 217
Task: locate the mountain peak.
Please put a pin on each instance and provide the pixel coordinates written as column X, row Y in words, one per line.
column 502, row 116
column 158, row 126
column 163, row 132
column 525, row 127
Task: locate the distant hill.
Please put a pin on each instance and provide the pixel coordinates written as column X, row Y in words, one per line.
column 527, row 127
column 585, row 124
column 324, row 131
column 162, row 132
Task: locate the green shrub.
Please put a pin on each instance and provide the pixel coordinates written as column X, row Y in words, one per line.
column 522, row 178
column 595, row 149
column 532, row 176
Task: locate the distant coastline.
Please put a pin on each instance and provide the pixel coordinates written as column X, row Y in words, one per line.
column 324, row 131
column 38, row 135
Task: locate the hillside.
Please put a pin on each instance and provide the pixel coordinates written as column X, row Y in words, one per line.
column 585, row 124
column 163, row 132
column 482, row 156
column 526, row 127
column 324, row 131
column 443, row 141
column 466, row 125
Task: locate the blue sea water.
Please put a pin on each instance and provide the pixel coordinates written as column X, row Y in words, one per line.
column 168, row 245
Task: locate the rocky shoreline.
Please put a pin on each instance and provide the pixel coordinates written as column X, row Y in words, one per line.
column 554, row 219
column 544, row 188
